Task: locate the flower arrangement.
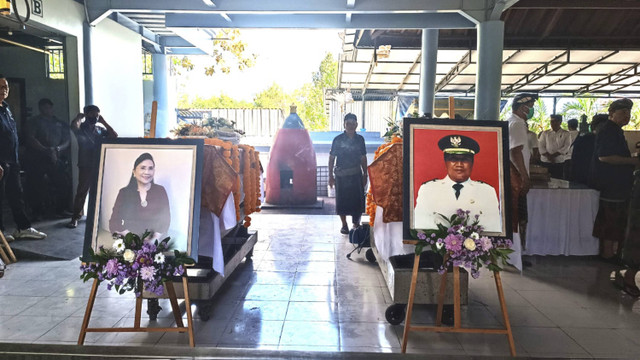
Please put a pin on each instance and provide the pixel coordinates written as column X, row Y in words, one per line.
column 212, row 127
column 135, row 263
column 461, row 244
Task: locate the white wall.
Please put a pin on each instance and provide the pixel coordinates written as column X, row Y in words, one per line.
column 117, row 77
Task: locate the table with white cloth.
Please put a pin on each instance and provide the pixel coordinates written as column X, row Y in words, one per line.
column 560, row 221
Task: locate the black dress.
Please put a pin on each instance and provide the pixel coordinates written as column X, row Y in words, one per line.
column 348, row 173
column 129, row 214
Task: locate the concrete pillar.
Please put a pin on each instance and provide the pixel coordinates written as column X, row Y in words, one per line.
column 88, row 72
column 165, row 119
column 428, row 63
column 364, row 106
column 489, row 78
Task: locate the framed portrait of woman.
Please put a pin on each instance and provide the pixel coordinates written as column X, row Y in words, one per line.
column 146, row 185
column 456, row 164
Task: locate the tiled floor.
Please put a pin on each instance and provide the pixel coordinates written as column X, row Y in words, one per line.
column 300, row 292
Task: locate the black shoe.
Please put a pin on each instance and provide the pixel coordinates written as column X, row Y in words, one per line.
column 344, row 230
column 72, row 224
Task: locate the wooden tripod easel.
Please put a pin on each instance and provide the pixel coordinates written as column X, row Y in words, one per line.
column 136, row 327
column 6, row 253
column 456, row 305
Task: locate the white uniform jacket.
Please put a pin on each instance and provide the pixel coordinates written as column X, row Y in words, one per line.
column 438, row 196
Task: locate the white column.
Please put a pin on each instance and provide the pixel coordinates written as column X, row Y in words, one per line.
column 489, row 76
column 428, row 63
column 165, row 119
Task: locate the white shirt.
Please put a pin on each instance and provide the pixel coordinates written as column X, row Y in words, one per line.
column 518, row 136
column 438, row 197
column 554, row 142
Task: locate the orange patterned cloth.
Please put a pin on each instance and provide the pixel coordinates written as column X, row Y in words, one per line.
column 218, row 180
column 385, row 174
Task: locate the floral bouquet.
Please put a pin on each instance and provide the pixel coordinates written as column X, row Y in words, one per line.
column 460, row 244
column 135, row 263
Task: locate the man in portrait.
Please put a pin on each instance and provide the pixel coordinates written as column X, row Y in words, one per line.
column 457, row 190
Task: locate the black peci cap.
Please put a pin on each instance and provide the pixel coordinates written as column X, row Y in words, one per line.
column 458, row 144
column 524, row 98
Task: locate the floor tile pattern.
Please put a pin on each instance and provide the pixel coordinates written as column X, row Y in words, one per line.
column 300, row 292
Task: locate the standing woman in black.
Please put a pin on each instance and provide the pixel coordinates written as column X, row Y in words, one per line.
column 349, row 155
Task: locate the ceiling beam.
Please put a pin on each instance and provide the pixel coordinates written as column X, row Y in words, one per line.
column 626, row 86
column 372, row 66
column 455, row 71
column 578, row 4
column 610, row 79
column 411, row 69
column 288, row 6
column 538, row 73
column 322, row 21
column 145, row 33
column 598, row 61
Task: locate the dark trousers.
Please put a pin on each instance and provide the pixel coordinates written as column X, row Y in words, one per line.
column 555, row 170
column 11, row 188
column 85, row 175
column 48, row 185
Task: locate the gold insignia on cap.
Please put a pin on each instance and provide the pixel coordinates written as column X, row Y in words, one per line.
column 455, row 141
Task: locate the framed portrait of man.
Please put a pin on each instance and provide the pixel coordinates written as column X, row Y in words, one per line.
column 456, row 164
column 144, row 185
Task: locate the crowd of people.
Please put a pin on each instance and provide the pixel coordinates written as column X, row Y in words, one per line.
column 600, row 159
column 46, row 163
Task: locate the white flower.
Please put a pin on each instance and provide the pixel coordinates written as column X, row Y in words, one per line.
column 469, row 244
column 129, row 255
column 439, row 245
column 118, row 245
column 159, row 259
column 474, row 236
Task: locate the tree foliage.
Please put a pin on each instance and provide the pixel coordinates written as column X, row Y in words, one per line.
column 229, row 52
column 577, row 107
column 310, row 97
column 273, row 97
column 215, row 102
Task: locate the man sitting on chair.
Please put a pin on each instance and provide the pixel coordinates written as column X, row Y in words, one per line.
column 457, row 190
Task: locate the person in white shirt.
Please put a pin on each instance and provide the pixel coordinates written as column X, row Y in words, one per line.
column 554, row 146
column 520, row 155
column 456, row 190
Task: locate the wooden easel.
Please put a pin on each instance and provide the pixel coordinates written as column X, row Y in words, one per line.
column 6, row 253
column 456, row 305
column 136, row 327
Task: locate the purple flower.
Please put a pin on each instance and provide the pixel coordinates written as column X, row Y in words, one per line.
column 422, row 236
column 111, row 268
column 486, row 243
column 147, row 273
column 453, row 242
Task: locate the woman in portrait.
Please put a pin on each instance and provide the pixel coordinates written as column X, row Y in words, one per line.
column 349, row 155
column 141, row 205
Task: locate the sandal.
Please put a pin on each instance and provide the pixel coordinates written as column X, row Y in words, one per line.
column 631, row 289
column 344, row 230
column 620, row 283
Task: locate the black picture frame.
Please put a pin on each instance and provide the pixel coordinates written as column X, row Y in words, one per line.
column 180, row 161
column 419, row 135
